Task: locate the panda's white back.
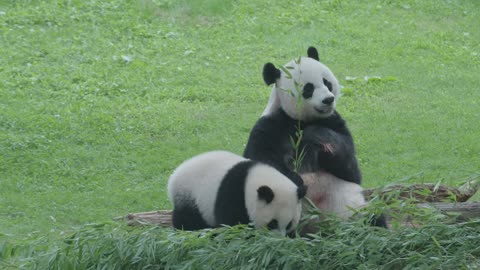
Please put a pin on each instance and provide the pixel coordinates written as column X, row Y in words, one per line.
column 199, row 178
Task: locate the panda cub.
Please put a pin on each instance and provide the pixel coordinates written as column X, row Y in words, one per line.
column 302, row 107
column 220, row 187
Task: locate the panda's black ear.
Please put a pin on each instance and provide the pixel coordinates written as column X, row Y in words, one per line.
column 265, row 193
column 301, row 191
column 270, row 73
column 313, row 53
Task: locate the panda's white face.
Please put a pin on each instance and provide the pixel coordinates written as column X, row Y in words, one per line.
column 309, row 92
column 282, row 212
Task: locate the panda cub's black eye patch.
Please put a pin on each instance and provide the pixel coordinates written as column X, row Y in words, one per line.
column 273, row 224
column 308, row 90
column 328, row 84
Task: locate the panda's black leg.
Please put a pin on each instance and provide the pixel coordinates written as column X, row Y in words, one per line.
column 292, row 234
column 188, row 218
column 378, row 221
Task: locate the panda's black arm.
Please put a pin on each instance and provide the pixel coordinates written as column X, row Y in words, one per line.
column 325, row 149
column 266, row 152
column 334, row 122
column 269, row 142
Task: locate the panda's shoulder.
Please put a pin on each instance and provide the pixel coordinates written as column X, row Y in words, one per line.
column 275, row 120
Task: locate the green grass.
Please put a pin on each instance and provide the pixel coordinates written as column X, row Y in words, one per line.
column 101, row 100
column 340, row 246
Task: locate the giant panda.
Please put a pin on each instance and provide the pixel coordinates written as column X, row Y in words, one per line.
column 220, row 187
column 302, row 108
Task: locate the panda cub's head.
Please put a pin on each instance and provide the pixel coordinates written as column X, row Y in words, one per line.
column 272, row 200
column 304, row 88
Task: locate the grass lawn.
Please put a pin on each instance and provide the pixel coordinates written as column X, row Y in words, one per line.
column 101, row 100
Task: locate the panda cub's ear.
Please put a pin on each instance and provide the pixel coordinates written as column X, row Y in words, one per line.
column 270, row 73
column 265, row 193
column 301, row 191
column 313, row 53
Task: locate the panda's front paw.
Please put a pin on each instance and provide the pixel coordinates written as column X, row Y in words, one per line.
column 328, row 148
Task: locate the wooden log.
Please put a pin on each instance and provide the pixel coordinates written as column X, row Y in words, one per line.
column 436, row 195
column 425, row 192
column 461, row 211
column 158, row 217
column 458, row 212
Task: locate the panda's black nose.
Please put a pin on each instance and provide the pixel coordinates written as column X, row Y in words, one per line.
column 328, row 101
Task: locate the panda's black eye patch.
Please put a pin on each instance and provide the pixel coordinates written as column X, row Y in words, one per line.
column 308, row 90
column 273, row 224
column 328, row 84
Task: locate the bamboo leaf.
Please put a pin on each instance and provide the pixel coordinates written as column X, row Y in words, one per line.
column 288, row 75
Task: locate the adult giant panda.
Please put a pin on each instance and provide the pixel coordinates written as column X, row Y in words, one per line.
column 220, row 187
column 302, row 108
